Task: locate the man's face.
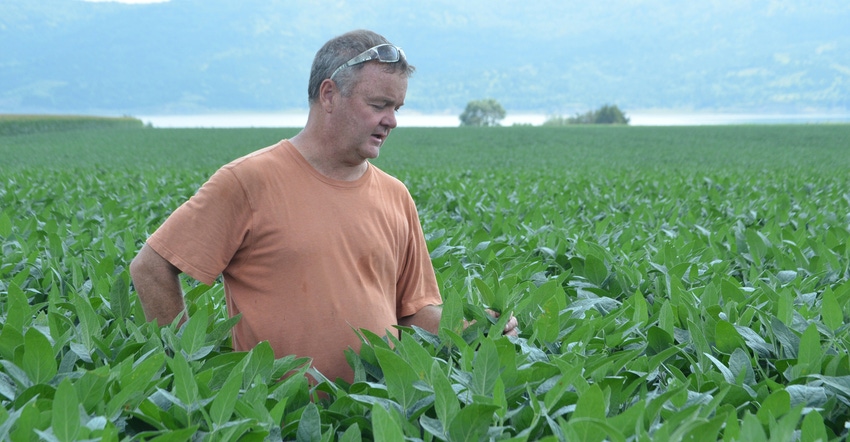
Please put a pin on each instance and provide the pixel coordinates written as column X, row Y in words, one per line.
column 365, row 118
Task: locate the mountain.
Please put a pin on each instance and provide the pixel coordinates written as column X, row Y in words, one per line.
column 554, row 56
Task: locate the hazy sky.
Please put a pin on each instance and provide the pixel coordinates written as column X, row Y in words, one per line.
column 126, row 1
column 546, row 56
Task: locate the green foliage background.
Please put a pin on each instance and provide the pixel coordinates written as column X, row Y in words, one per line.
column 607, row 114
column 486, row 112
column 670, row 283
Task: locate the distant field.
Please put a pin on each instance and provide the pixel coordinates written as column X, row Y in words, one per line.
column 28, row 124
column 670, row 283
column 123, row 143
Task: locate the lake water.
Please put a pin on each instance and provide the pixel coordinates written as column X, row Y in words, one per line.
column 294, row 119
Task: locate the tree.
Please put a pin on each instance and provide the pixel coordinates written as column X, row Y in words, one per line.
column 606, row 114
column 487, row 112
column 610, row 115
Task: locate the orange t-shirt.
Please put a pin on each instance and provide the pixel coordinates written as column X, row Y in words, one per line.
column 306, row 259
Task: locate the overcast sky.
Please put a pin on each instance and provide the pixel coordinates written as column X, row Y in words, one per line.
column 545, row 56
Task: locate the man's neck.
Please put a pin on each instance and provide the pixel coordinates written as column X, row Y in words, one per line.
column 317, row 152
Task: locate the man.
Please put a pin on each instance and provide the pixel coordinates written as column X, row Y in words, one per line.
column 312, row 240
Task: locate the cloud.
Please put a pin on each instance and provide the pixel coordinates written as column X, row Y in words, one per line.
column 782, row 58
column 843, row 69
column 826, row 47
column 751, row 72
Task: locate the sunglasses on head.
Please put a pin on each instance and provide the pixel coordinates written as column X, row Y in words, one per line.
column 385, row 53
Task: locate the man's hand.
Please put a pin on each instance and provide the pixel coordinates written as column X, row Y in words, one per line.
column 429, row 319
column 511, row 328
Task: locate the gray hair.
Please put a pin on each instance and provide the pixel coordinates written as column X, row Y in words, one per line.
column 339, row 50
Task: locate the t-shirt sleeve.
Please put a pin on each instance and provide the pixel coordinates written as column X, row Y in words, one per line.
column 417, row 286
column 204, row 233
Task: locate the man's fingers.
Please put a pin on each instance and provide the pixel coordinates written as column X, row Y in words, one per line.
column 511, row 328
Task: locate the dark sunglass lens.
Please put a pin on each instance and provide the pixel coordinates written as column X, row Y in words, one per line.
column 387, row 53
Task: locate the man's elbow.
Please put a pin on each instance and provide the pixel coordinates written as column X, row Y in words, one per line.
column 135, row 268
column 141, row 266
column 148, row 268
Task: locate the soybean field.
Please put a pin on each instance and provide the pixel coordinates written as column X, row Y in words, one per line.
column 671, row 283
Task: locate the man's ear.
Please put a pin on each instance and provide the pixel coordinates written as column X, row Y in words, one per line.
column 328, row 93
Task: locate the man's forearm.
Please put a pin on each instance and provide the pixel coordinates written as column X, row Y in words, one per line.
column 427, row 318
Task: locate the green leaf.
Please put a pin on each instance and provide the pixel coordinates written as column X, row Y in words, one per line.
column 30, row 417
column 727, row 374
column 351, row 434
column 432, row 427
column 66, row 412
column 485, row 368
column 279, row 410
column 751, row 429
column 487, row 295
column 658, row 340
column 445, row 399
column 181, row 435
column 39, row 362
column 810, row 353
column 135, row 383
column 629, row 419
column 399, row 376
column 91, row 388
column 774, row 406
column 786, row 276
column 90, row 327
column 226, row 397
column 569, row 374
column 310, row 425
column 18, row 310
column 260, row 363
column 731, row 290
column 10, row 341
column 666, row 318
column 8, row 388
column 787, row 339
column 547, row 325
column 471, row 423
column 595, row 270
column 786, row 424
column 641, row 308
column 451, row 316
column 831, row 312
column 5, row 225
column 416, row 356
column 193, row 335
column 741, row 367
column 119, row 298
column 384, row 426
column 589, row 429
column 813, row 428
column 807, row 395
column 184, row 387
column 755, row 341
column 704, row 431
column 591, row 403
column 727, row 338
column 698, row 339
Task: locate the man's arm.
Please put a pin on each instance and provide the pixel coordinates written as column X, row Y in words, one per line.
column 428, row 318
column 158, row 284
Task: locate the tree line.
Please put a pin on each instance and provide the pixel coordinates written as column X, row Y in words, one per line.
column 488, row 112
